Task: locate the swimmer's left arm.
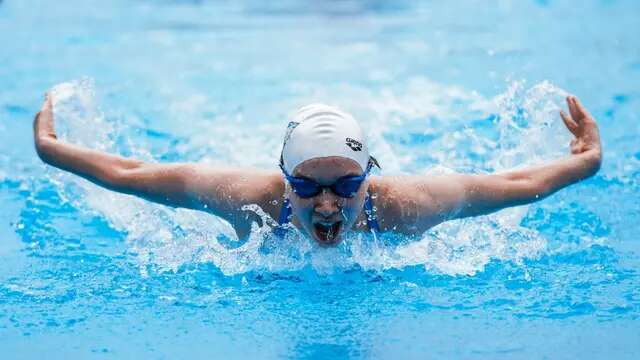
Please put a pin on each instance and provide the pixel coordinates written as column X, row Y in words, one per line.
column 437, row 199
column 488, row 193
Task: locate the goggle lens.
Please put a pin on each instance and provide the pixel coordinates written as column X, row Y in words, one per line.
column 346, row 188
column 305, row 188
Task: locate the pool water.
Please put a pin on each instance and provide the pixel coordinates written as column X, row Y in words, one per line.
column 473, row 86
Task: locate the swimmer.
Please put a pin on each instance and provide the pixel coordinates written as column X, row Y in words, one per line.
column 323, row 186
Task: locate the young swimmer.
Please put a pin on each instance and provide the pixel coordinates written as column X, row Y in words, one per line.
column 323, row 187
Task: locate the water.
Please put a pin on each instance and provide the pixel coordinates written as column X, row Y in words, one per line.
column 470, row 87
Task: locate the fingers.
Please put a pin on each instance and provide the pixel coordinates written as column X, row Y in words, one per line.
column 35, row 120
column 581, row 109
column 568, row 122
column 578, row 111
column 573, row 109
column 43, row 121
column 46, row 105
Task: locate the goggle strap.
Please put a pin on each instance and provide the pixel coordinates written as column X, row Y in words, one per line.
column 373, row 161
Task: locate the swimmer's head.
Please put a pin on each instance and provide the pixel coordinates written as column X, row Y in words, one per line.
column 318, row 131
column 325, row 145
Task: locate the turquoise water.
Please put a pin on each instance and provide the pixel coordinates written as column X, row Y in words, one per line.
column 471, row 87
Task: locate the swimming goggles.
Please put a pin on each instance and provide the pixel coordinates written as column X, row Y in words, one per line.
column 345, row 187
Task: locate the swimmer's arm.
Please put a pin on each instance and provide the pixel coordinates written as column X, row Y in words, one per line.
column 218, row 191
column 441, row 198
column 98, row 167
column 484, row 194
column 487, row 193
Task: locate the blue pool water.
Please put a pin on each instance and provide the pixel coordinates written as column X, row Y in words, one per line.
column 472, row 86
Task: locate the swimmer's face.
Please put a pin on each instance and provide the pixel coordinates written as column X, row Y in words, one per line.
column 327, row 216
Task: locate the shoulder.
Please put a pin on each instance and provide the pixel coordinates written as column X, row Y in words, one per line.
column 266, row 190
column 395, row 206
column 411, row 204
column 243, row 182
column 260, row 187
column 269, row 187
column 229, row 188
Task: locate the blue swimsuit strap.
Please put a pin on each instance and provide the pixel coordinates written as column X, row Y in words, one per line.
column 370, row 213
column 285, row 214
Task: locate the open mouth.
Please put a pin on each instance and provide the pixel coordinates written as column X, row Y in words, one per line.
column 327, row 233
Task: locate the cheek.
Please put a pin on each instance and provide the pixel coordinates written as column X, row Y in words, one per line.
column 301, row 208
column 354, row 205
column 352, row 208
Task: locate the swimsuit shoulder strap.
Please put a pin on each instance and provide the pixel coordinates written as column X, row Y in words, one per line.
column 370, row 213
column 283, row 219
column 285, row 212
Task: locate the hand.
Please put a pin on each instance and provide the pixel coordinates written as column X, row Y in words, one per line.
column 43, row 127
column 584, row 128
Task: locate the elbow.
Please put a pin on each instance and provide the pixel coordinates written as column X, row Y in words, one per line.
column 122, row 179
column 117, row 179
column 133, row 178
column 541, row 189
column 527, row 190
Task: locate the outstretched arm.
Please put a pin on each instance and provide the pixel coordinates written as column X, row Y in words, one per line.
column 437, row 199
column 220, row 191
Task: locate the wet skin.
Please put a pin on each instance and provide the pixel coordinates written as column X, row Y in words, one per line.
column 326, row 217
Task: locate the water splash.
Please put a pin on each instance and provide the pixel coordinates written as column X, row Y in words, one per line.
column 506, row 132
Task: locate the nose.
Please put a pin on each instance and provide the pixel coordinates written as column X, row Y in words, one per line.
column 327, row 204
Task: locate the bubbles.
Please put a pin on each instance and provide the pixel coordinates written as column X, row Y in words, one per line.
column 466, row 132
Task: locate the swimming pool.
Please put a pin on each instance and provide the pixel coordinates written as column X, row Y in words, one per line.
column 473, row 87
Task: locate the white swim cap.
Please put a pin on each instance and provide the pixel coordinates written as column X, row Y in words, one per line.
column 320, row 130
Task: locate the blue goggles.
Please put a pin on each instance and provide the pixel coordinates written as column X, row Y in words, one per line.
column 345, row 187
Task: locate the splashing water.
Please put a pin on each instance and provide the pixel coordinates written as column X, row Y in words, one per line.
column 505, row 135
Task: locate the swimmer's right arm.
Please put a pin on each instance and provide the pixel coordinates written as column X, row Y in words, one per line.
column 222, row 192
column 98, row 167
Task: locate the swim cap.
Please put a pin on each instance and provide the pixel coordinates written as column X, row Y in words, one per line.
column 320, row 130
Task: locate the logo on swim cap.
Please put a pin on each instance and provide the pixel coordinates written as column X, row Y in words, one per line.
column 355, row 145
